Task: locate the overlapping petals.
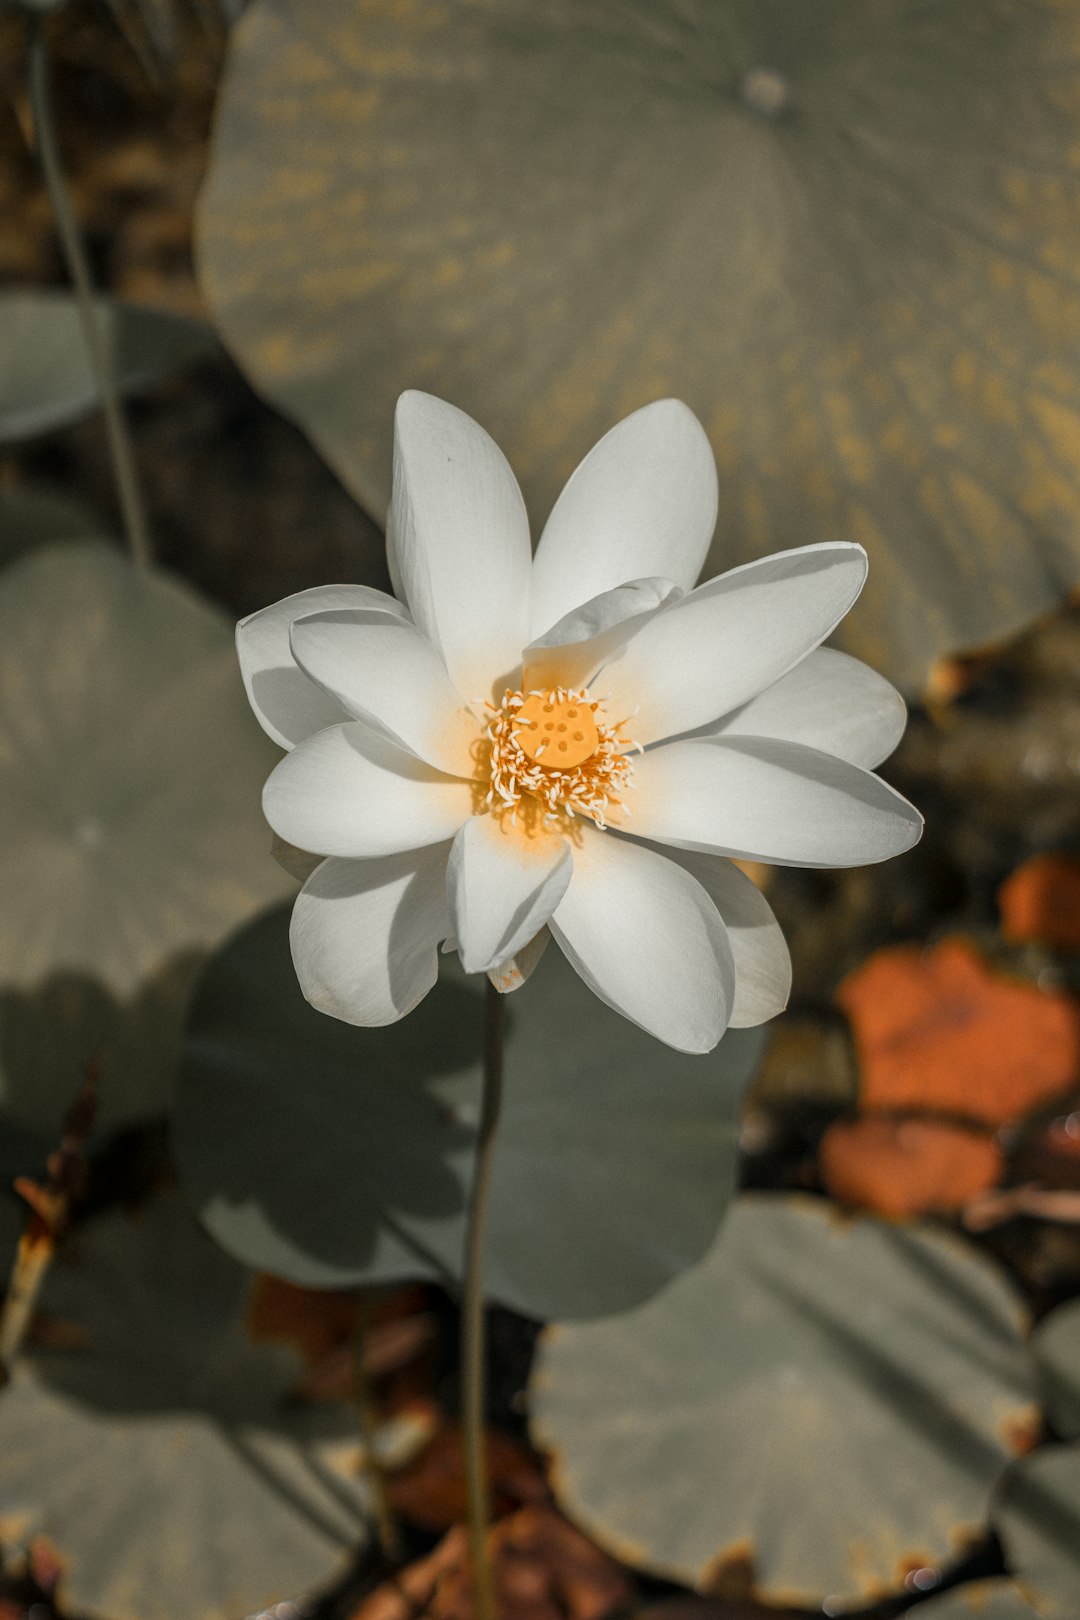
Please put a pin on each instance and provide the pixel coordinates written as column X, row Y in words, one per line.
column 765, row 799
column 460, row 539
column 286, row 704
column 365, row 934
column 583, row 641
column 643, row 502
column 384, row 671
column 348, row 791
column 647, row 939
column 759, row 950
column 502, row 888
column 410, row 770
column 829, row 701
column 727, row 641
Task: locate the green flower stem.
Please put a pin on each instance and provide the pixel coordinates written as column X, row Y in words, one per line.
column 472, row 1311
column 121, row 454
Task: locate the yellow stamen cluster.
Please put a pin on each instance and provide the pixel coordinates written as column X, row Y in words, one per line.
column 553, row 754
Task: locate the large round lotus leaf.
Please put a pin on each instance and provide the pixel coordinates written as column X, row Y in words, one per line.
column 1056, row 1344
column 847, row 235
column 831, row 1399
column 46, row 377
column 981, row 1600
column 160, row 1453
column 131, row 839
column 1037, row 1517
column 329, row 1154
column 33, row 517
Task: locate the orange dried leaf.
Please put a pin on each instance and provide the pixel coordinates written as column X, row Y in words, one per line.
column 906, row 1167
column 1040, row 903
column 940, row 1030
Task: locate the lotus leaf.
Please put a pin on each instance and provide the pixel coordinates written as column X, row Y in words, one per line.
column 981, row 1600
column 829, row 1399
column 46, row 377
column 846, row 235
column 1037, row 1516
column 328, row 1154
column 32, row 517
column 1056, row 1344
column 130, row 772
column 160, row 1453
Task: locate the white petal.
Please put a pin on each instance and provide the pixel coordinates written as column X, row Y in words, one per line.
column 728, row 640
column 365, row 934
column 574, row 649
column 502, row 887
column 763, row 799
column 386, row 671
column 643, row 502
column 762, row 961
column 348, row 791
column 647, row 940
column 829, row 701
column 286, row 704
column 460, row 541
column 518, row 969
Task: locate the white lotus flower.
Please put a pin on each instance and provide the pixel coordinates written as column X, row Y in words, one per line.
column 576, row 743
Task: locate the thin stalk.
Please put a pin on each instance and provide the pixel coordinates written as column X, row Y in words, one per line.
column 473, row 1357
column 121, row 454
column 386, row 1524
column 50, row 1203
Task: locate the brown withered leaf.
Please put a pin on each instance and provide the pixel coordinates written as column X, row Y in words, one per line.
column 940, row 1030
column 431, row 1491
column 324, row 1325
column 544, row 1569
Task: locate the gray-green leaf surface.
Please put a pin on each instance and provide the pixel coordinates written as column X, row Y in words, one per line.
column 1056, row 1346
column 46, row 377
column 131, row 839
column 847, row 236
column 1037, row 1516
column 330, row 1154
column 979, row 1600
column 159, row 1451
column 32, row 517
column 832, row 1398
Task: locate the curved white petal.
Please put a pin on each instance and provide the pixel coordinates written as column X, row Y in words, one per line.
column 502, row 888
column 348, row 791
column 459, row 537
column 574, row 649
column 763, row 799
column 386, row 671
column 365, row 934
column 762, row 960
column 643, row 502
column 647, row 939
column 731, row 638
column 829, row 701
column 286, row 704
column 510, row 975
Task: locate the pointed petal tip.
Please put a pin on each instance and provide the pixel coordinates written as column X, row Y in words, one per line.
column 415, row 407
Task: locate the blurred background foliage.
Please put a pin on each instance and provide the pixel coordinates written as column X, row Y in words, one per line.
column 848, row 236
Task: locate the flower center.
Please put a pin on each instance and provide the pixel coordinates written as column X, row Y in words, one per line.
column 551, row 755
column 562, row 733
